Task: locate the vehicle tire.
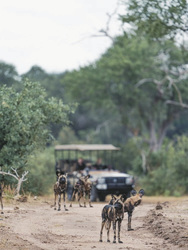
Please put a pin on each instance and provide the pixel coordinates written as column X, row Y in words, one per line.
column 94, row 194
column 69, row 191
column 101, row 197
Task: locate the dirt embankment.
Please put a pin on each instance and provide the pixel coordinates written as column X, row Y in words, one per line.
column 158, row 223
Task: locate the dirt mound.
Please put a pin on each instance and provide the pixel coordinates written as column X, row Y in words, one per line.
column 164, row 224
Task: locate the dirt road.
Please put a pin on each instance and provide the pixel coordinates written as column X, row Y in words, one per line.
column 34, row 225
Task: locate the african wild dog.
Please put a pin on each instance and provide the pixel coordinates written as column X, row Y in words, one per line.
column 1, row 198
column 83, row 188
column 131, row 203
column 113, row 212
column 60, row 188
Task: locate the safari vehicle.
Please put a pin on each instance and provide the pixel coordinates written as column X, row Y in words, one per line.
column 106, row 179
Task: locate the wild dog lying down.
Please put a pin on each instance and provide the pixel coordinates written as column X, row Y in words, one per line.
column 83, row 188
column 131, row 203
column 113, row 213
column 60, row 188
column 1, row 198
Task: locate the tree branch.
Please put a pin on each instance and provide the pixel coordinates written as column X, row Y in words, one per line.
column 15, row 171
column 8, row 173
column 183, row 105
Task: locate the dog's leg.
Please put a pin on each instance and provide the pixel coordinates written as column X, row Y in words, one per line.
column 89, row 197
column 73, row 197
column 79, row 199
column 1, row 203
column 129, row 221
column 55, row 197
column 59, row 202
column 84, row 197
column 108, row 225
column 114, row 228
column 119, row 229
column 102, row 226
column 64, row 201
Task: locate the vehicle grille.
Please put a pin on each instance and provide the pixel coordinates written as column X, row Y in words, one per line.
column 115, row 180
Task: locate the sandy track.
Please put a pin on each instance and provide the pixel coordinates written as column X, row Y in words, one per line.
column 34, row 225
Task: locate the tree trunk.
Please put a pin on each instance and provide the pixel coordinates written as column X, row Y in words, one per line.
column 153, row 143
column 19, row 184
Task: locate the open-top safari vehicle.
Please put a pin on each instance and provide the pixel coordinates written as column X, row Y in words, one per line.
column 106, row 179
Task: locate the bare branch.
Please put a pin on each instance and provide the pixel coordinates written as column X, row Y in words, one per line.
column 172, row 82
column 151, row 80
column 183, row 105
column 8, row 173
column 147, row 80
column 15, row 171
column 24, row 174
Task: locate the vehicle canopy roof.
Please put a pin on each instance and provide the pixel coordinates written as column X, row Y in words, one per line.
column 86, row 147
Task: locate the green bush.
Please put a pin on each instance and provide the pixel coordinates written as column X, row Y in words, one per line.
column 42, row 173
column 168, row 174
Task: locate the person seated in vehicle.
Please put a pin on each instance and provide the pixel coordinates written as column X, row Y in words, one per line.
column 98, row 165
column 80, row 165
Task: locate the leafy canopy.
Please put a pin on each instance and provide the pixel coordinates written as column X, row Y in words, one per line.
column 157, row 18
column 25, row 119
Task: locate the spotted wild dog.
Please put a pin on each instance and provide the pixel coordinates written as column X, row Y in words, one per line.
column 131, row 203
column 60, row 188
column 1, row 198
column 113, row 213
column 82, row 188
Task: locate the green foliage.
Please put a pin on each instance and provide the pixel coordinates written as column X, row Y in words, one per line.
column 125, row 98
column 112, row 86
column 168, row 170
column 50, row 82
column 24, row 123
column 157, row 19
column 42, row 175
column 127, row 157
column 8, row 74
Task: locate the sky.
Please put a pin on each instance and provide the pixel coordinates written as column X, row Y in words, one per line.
column 57, row 35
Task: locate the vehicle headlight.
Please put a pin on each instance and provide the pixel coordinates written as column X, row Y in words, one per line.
column 101, row 186
column 129, row 180
column 101, row 181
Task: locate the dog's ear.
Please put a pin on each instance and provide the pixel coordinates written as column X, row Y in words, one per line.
column 125, row 196
column 122, row 198
column 114, row 197
column 141, row 192
column 133, row 192
column 87, row 177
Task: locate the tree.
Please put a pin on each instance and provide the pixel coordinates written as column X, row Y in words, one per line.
column 157, row 19
column 35, row 74
column 147, row 80
column 136, row 80
column 51, row 82
column 8, row 74
column 25, row 119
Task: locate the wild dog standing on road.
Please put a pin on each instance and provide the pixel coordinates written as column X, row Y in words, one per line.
column 60, row 188
column 83, row 188
column 1, row 198
column 131, row 203
column 113, row 212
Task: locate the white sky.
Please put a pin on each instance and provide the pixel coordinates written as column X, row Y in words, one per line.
column 53, row 34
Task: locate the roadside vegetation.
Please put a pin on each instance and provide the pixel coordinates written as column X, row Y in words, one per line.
column 134, row 96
